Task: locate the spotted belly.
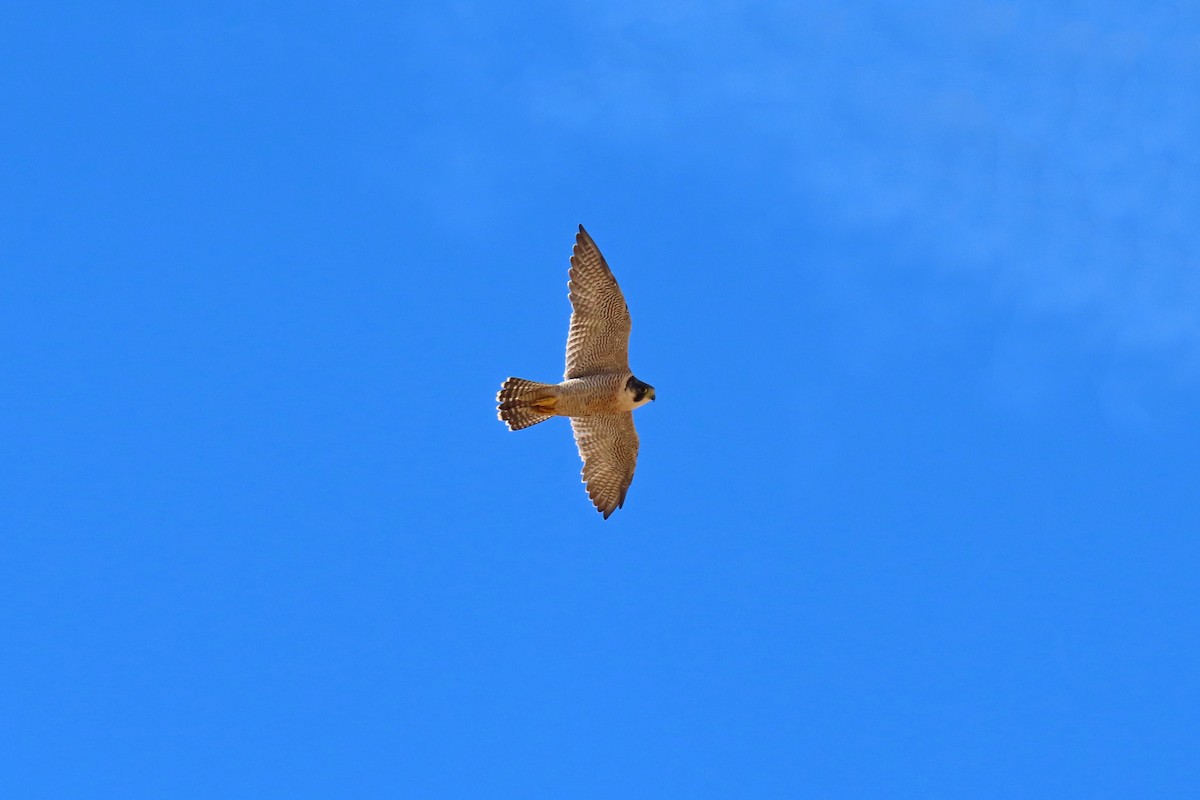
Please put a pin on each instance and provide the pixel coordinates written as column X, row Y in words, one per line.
column 581, row 397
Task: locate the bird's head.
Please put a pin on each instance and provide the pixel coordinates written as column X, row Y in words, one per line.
column 640, row 393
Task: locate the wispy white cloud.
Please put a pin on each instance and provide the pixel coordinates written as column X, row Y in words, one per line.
column 1057, row 148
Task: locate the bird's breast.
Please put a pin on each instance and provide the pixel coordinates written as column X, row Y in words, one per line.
column 598, row 394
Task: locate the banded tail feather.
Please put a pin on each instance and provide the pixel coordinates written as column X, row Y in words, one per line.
column 523, row 403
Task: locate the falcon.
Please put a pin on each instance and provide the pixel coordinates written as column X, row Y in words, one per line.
column 598, row 392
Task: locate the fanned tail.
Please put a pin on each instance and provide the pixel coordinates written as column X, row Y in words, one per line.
column 522, row 403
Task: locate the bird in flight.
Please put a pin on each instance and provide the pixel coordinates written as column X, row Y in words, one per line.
column 598, row 392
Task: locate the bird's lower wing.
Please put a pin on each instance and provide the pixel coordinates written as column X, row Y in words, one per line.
column 608, row 445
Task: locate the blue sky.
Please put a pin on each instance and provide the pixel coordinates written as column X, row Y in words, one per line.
column 916, row 510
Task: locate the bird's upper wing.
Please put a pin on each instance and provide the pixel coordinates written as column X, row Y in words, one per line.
column 608, row 445
column 598, row 340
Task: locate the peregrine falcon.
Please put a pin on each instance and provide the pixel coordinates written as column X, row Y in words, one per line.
column 599, row 392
